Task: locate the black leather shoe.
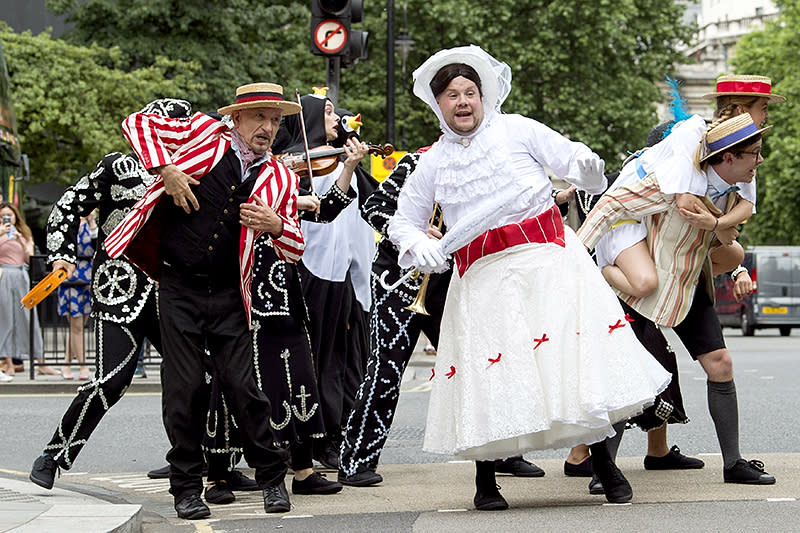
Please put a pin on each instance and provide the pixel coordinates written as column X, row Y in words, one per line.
column 748, row 472
column 329, row 458
column 584, row 469
column 517, row 466
column 595, row 487
column 191, row 507
column 219, row 493
column 491, row 500
column 239, row 482
column 159, row 473
column 615, row 486
column 360, row 479
column 44, row 469
column 674, row 460
column 276, row 499
column 315, row 484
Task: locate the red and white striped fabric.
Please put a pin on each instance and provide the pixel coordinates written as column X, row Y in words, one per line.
column 195, row 146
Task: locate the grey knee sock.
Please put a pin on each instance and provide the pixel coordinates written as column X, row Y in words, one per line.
column 724, row 410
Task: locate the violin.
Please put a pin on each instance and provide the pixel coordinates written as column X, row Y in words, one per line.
column 324, row 159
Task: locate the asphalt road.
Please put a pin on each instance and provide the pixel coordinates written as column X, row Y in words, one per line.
column 130, row 440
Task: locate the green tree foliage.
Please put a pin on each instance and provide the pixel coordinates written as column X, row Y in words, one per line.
column 70, row 100
column 585, row 68
column 234, row 41
column 773, row 52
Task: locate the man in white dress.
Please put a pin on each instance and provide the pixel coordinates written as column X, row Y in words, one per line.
column 535, row 351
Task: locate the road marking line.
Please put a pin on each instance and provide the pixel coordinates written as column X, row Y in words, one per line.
column 767, row 377
column 616, row 504
column 297, row 516
column 203, row 527
column 781, row 499
column 451, row 510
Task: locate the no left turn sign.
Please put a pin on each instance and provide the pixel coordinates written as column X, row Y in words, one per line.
column 330, row 36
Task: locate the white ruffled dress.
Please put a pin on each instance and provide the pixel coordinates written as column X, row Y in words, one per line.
column 535, row 351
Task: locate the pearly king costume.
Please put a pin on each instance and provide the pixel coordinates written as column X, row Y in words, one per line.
column 535, row 351
column 124, row 299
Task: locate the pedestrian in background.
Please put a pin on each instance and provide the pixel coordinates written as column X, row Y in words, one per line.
column 75, row 301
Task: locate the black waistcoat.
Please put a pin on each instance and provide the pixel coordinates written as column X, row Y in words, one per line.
column 205, row 243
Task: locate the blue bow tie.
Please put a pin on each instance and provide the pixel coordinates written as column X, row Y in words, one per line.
column 732, row 188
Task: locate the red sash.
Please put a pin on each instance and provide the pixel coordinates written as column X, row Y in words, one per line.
column 543, row 228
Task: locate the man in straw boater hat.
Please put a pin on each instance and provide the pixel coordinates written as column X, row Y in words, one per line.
column 625, row 259
column 534, row 350
column 200, row 248
column 728, row 153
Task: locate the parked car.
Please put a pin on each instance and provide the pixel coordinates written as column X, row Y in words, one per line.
column 776, row 301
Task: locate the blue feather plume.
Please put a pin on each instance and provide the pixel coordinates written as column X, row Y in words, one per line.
column 678, row 105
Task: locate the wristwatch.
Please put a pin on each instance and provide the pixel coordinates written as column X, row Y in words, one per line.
column 738, row 270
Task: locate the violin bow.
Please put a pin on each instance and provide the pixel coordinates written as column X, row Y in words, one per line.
column 305, row 143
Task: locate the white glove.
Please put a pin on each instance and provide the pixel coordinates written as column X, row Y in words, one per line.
column 429, row 256
column 592, row 179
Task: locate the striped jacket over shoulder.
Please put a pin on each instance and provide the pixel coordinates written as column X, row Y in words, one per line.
column 679, row 250
column 195, row 146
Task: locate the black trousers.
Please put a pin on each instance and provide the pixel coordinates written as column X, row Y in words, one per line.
column 198, row 315
column 339, row 341
column 394, row 331
column 118, row 348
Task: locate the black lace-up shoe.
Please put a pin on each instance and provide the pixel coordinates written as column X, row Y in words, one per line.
column 490, row 500
column 219, row 493
column 517, row 466
column 616, row 487
column 44, row 471
column 276, row 499
column 584, row 469
column 239, row 482
column 674, row 460
column 191, row 507
column 360, row 479
column 329, row 458
column 159, row 473
column 748, row 472
column 595, row 487
column 315, row 484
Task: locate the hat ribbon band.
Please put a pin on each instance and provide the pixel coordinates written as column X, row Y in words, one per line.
column 255, row 97
column 744, row 87
column 733, row 138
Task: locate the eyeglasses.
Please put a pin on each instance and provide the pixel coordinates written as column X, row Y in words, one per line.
column 754, row 154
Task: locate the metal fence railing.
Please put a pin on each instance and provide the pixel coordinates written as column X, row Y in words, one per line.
column 55, row 328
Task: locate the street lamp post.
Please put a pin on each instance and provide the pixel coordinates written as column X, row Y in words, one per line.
column 404, row 44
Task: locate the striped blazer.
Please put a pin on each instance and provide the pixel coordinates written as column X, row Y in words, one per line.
column 679, row 250
column 195, row 146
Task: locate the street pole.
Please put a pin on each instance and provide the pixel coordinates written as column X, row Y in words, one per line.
column 332, row 78
column 390, row 71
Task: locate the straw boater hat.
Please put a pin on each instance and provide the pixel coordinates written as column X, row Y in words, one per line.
column 728, row 133
column 745, row 85
column 260, row 95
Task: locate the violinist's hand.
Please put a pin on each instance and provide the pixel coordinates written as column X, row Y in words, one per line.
column 355, row 151
column 260, row 217
column 66, row 265
column 308, row 202
column 176, row 184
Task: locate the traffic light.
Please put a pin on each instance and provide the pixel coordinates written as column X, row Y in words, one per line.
column 330, row 29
